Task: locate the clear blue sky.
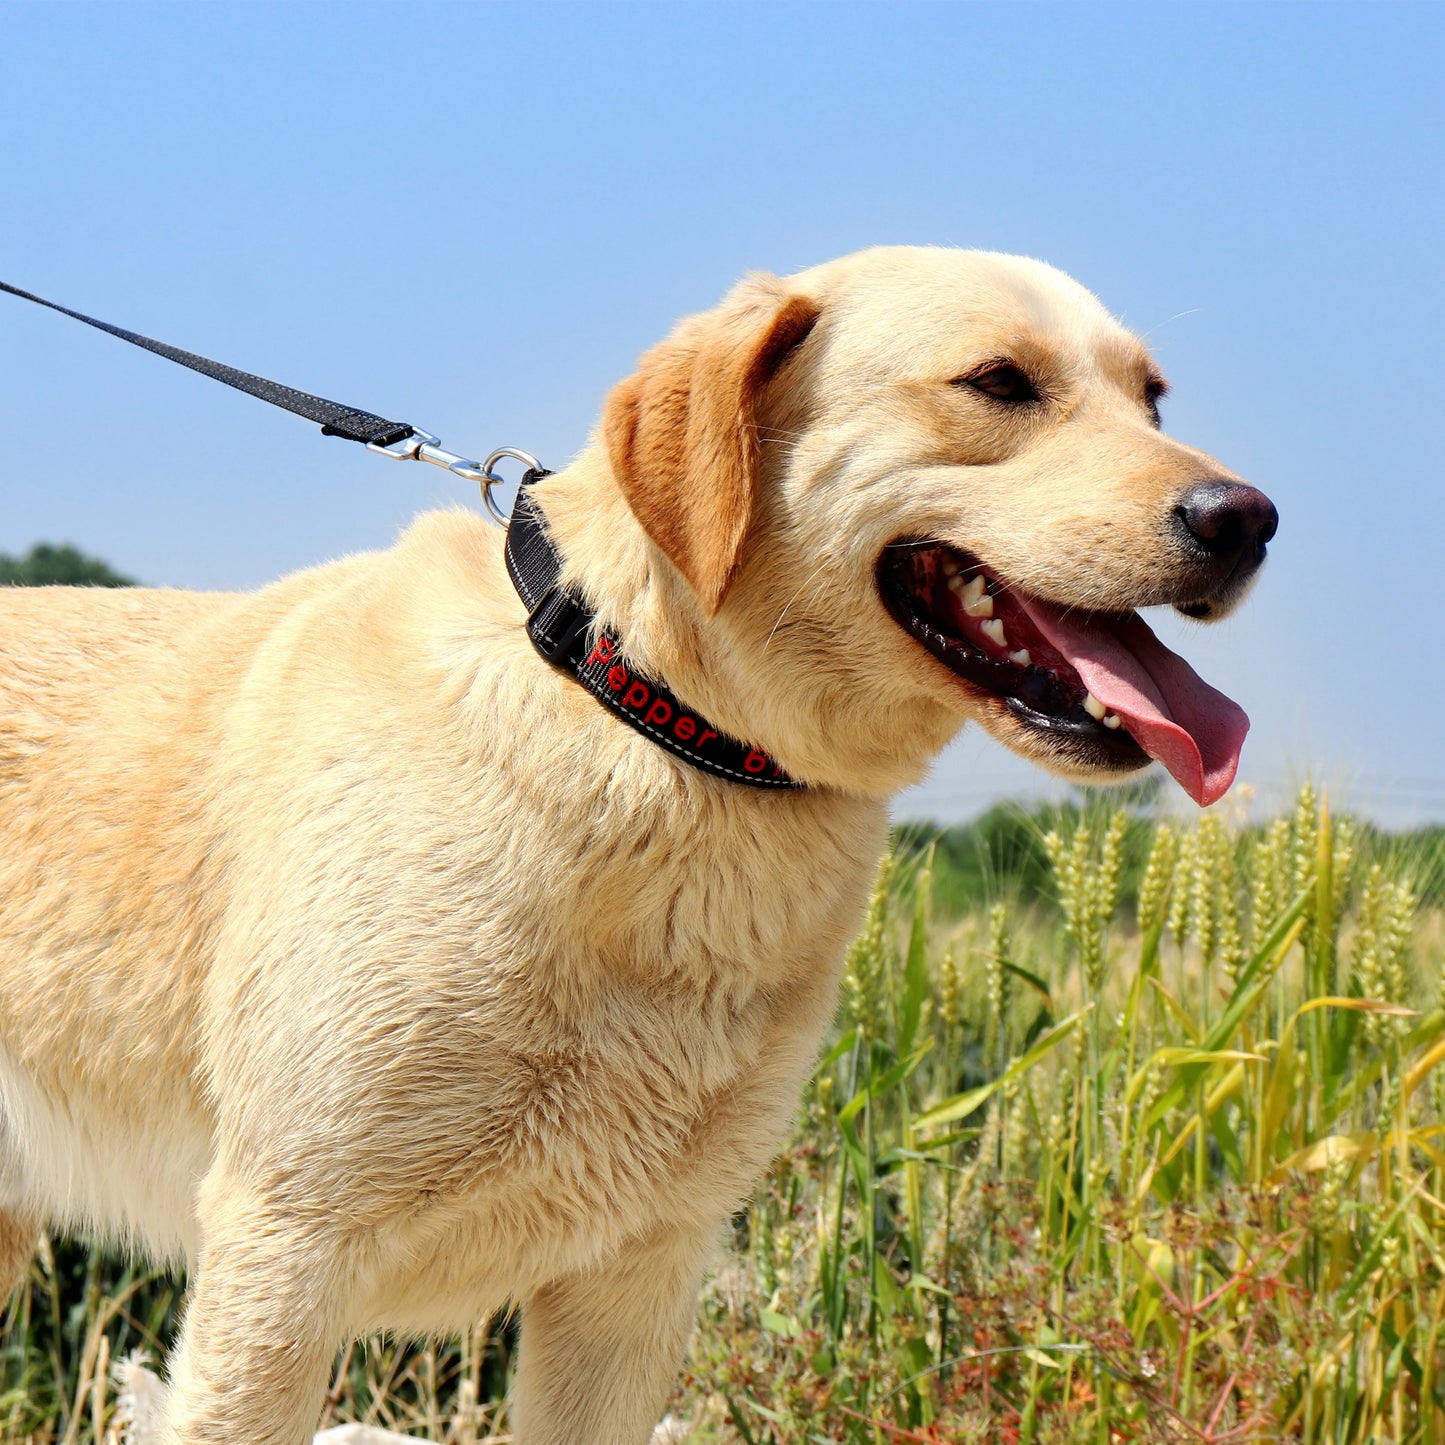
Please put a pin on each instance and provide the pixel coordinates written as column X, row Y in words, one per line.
column 475, row 216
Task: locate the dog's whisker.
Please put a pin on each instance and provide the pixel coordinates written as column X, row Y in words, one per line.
column 1160, row 325
column 797, row 593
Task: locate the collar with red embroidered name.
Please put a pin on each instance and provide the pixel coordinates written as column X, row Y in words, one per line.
column 564, row 629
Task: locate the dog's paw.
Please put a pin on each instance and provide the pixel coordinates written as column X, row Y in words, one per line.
column 671, row 1432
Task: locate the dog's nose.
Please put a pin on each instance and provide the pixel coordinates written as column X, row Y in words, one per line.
column 1230, row 521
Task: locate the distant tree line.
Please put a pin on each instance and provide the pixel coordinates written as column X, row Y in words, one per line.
column 63, row 566
column 1001, row 855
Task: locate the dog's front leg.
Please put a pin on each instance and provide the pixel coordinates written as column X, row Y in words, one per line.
column 261, row 1328
column 600, row 1348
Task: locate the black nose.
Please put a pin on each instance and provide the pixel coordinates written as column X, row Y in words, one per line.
column 1228, row 520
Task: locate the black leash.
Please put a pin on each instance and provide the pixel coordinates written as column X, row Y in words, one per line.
column 334, row 419
column 396, row 439
column 562, row 627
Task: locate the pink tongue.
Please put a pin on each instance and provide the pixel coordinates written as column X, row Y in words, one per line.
column 1172, row 713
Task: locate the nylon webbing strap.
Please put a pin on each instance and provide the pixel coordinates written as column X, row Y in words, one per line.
column 333, row 418
column 563, row 629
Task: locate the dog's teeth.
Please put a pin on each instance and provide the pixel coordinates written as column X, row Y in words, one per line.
column 951, row 567
column 993, row 630
column 1111, row 720
column 1094, row 707
column 976, row 601
column 1020, row 658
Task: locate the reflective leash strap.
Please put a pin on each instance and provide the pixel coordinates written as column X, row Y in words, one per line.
column 396, row 439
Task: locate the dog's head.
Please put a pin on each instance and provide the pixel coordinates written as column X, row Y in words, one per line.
column 916, row 486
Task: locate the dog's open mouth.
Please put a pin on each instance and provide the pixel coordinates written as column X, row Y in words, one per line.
column 1105, row 690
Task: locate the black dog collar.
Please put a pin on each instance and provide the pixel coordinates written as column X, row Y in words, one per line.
column 563, row 629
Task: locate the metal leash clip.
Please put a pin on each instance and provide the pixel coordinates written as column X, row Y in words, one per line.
column 422, row 446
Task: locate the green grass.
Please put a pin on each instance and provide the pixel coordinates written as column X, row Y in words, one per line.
column 1149, row 1150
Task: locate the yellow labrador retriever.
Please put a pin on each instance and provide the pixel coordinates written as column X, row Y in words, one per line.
column 359, row 958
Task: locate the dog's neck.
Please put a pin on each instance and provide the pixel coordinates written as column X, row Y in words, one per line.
column 636, row 592
column 724, row 666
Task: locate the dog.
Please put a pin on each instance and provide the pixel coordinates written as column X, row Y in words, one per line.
column 359, row 959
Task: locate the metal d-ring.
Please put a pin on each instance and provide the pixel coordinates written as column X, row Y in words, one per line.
column 490, row 479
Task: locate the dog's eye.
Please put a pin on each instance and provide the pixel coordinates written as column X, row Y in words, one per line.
column 1003, row 381
column 1155, row 388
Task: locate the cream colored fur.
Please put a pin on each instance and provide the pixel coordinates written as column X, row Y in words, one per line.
column 357, row 958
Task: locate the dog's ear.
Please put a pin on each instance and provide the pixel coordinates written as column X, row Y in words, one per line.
column 681, row 432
